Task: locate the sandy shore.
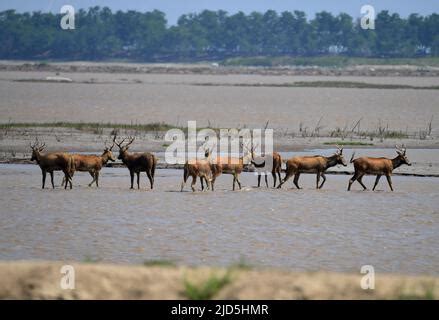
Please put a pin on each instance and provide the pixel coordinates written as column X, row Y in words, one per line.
column 41, row 280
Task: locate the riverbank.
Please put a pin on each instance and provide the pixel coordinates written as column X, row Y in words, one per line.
column 229, row 68
column 41, row 280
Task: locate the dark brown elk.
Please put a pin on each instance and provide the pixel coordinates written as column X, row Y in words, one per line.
column 312, row 164
column 198, row 168
column 50, row 162
column 229, row 165
column 93, row 164
column 137, row 162
column 259, row 162
column 377, row 166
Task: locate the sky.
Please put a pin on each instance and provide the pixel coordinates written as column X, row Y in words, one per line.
column 175, row 8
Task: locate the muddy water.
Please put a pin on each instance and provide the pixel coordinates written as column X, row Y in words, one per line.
column 329, row 229
column 174, row 99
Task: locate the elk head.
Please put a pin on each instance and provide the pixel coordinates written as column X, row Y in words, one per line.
column 37, row 148
column 339, row 157
column 401, row 155
column 123, row 149
column 108, row 154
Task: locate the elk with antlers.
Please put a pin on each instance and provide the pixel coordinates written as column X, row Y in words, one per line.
column 49, row 162
column 93, row 164
column 137, row 162
column 198, row 168
column 312, row 164
column 378, row 167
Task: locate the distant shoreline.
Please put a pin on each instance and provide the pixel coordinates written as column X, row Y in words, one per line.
column 390, row 70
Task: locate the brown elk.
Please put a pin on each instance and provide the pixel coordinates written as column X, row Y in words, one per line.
column 198, row 168
column 50, row 162
column 378, row 167
column 93, row 164
column 229, row 165
column 259, row 163
column 137, row 162
column 312, row 164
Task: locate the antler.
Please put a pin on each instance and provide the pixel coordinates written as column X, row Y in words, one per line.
column 339, row 150
column 131, row 141
column 400, row 150
column 118, row 144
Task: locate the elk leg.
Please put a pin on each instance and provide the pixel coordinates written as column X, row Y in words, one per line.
column 239, row 182
column 234, row 179
column 376, row 181
column 138, row 180
column 280, row 178
column 296, row 180
column 194, row 181
column 352, row 180
column 273, row 173
column 202, row 183
column 259, row 180
column 44, row 178
column 324, row 180
column 97, row 178
column 317, row 180
column 151, row 179
column 360, row 180
column 212, row 183
column 51, row 180
column 266, row 180
column 132, row 179
column 287, row 176
column 389, row 180
column 94, row 178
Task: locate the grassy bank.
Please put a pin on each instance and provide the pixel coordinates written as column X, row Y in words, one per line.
column 87, row 126
column 329, row 61
column 41, row 280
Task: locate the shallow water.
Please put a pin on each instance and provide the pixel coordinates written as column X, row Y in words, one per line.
column 328, row 229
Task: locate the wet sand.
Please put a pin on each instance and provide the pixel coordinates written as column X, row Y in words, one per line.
column 305, row 230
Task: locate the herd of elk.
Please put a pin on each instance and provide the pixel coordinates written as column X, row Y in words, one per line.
column 312, row 164
column 378, row 167
column 209, row 169
column 137, row 162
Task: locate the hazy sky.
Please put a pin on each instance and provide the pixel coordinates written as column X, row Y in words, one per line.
column 174, row 8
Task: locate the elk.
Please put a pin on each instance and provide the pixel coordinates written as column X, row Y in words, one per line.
column 198, row 168
column 55, row 161
column 378, row 167
column 93, row 164
column 259, row 162
column 137, row 162
column 312, row 164
column 230, row 165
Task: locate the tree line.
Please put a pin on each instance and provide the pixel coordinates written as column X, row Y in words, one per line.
column 212, row 35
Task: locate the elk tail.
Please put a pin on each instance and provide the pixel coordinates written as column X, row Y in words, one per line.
column 352, row 158
column 185, row 173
